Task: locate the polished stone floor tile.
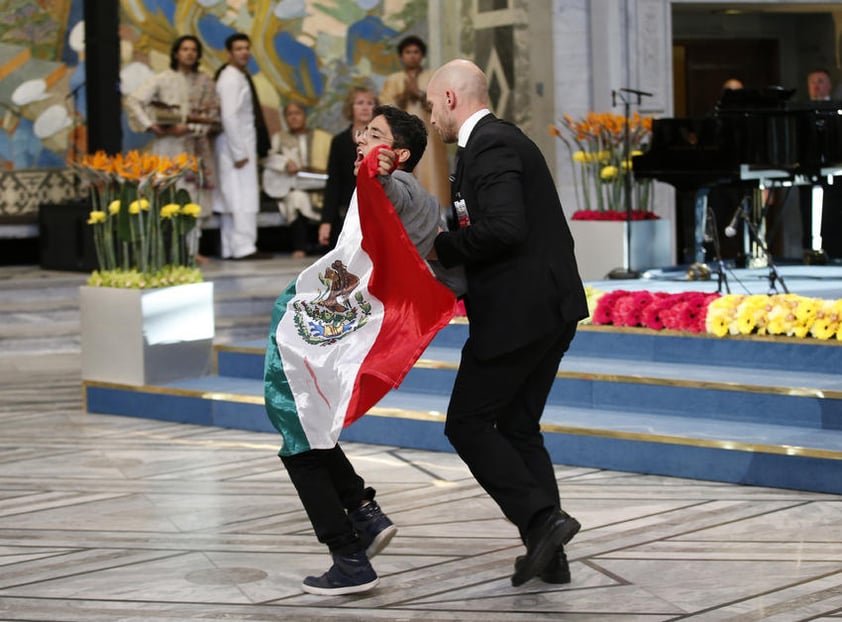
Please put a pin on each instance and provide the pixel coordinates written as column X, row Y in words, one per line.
column 106, row 518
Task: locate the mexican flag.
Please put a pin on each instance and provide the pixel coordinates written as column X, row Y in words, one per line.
column 350, row 326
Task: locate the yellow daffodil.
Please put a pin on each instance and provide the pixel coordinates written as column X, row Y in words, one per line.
column 114, row 207
column 608, row 173
column 96, row 216
column 169, row 210
column 136, row 206
column 192, row 209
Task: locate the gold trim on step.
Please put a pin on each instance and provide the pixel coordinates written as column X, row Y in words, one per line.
column 439, row 417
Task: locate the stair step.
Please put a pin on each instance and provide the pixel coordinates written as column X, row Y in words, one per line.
column 685, row 375
column 752, row 453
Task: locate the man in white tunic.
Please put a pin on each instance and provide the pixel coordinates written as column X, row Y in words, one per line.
column 237, row 198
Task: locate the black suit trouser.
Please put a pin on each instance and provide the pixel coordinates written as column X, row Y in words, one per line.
column 328, row 488
column 493, row 422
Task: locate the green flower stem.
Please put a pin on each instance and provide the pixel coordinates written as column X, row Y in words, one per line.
column 99, row 244
column 126, row 255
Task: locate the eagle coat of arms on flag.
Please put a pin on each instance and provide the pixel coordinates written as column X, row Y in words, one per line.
column 351, row 325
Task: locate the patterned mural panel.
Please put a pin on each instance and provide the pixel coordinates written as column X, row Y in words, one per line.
column 39, row 57
column 21, row 192
column 308, row 51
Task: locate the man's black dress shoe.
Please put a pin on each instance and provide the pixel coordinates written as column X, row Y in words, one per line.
column 542, row 542
column 557, row 572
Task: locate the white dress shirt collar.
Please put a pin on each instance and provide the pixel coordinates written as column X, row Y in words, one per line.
column 469, row 125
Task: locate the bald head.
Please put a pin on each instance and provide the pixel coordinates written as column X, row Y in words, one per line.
column 732, row 84
column 466, row 79
column 456, row 91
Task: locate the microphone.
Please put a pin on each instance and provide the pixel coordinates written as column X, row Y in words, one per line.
column 636, row 92
column 731, row 229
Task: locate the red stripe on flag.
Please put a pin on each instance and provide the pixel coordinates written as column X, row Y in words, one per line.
column 416, row 305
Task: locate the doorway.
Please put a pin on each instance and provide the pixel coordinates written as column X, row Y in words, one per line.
column 702, row 66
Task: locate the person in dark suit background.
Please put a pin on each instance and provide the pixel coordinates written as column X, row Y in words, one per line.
column 524, row 299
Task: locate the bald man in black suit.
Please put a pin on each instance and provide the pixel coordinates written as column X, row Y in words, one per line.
column 524, row 300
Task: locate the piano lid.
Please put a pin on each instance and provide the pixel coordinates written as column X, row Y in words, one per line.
column 769, row 98
column 750, row 129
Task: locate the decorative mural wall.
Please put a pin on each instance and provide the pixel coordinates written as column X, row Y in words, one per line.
column 41, row 46
column 309, row 51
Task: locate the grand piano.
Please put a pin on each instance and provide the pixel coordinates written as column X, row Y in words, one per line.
column 753, row 139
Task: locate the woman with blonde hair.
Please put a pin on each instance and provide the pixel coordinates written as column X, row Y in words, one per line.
column 358, row 109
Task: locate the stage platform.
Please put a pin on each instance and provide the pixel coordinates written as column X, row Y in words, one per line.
column 751, row 410
column 812, row 281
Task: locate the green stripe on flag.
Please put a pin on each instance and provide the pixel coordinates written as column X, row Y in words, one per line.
column 280, row 403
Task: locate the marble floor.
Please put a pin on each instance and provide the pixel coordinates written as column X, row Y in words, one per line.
column 106, row 518
column 114, row 518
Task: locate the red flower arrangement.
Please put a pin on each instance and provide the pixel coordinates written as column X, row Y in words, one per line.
column 656, row 310
column 591, row 214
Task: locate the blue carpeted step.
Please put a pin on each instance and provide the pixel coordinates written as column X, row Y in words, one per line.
column 755, row 353
column 754, row 453
column 690, row 389
column 752, row 352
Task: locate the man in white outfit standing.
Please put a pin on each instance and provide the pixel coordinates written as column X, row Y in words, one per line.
column 237, row 197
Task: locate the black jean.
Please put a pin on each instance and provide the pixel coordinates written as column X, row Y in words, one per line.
column 329, row 488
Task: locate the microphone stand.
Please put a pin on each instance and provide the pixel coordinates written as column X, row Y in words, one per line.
column 626, row 272
column 774, row 275
column 722, row 279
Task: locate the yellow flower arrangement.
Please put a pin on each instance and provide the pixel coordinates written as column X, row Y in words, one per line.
column 596, row 146
column 788, row 315
column 142, row 224
column 780, row 314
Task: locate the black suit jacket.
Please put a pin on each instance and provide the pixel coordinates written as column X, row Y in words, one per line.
column 523, row 282
column 341, row 181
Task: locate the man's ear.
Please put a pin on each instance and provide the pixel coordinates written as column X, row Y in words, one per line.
column 402, row 155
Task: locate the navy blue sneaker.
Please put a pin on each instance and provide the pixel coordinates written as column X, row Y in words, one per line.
column 373, row 527
column 350, row 574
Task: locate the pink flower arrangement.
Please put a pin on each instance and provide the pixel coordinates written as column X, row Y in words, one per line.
column 656, row 310
column 591, row 214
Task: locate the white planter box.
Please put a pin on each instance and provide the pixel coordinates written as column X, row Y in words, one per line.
column 601, row 245
column 141, row 337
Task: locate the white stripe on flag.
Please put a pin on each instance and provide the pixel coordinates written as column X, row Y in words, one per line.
column 321, row 367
